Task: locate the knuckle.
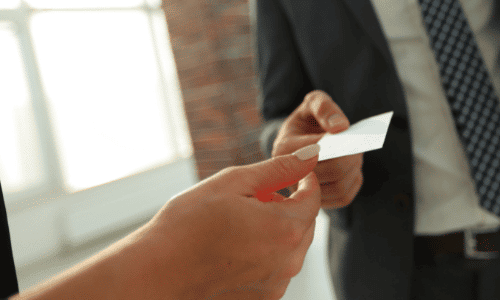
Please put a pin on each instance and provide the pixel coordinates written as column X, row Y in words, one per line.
column 245, row 176
column 294, row 235
column 319, row 102
column 334, row 200
column 234, row 174
column 276, row 151
column 292, row 269
column 296, row 268
column 281, row 167
column 230, row 171
column 321, row 107
column 357, row 185
column 278, row 293
column 349, row 194
column 279, row 146
column 220, row 179
column 343, row 201
column 313, row 95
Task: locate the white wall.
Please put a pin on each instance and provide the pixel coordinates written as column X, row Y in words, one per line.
column 314, row 280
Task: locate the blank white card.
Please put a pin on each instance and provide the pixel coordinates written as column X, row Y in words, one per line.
column 366, row 135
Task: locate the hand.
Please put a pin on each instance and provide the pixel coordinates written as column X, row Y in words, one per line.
column 218, row 241
column 340, row 178
column 228, row 237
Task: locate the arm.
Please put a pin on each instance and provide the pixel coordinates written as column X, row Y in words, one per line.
column 121, row 271
column 214, row 241
column 292, row 119
column 282, row 78
column 94, row 278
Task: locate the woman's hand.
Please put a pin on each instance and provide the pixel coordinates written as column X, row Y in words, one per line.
column 228, row 237
column 218, row 241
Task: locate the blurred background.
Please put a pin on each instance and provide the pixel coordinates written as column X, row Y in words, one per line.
column 108, row 108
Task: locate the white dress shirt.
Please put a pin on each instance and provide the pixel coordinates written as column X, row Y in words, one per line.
column 446, row 200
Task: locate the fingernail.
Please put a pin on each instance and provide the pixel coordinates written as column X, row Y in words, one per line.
column 335, row 120
column 307, row 152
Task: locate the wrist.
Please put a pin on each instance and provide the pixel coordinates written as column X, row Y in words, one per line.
column 93, row 278
column 137, row 272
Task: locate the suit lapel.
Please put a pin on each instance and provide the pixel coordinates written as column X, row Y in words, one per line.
column 365, row 15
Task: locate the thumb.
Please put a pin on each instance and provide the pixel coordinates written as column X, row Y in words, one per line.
column 279, row 172
column 326, row 112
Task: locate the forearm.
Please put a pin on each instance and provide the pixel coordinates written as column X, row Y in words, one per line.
column 95, row 278
column 117, row 272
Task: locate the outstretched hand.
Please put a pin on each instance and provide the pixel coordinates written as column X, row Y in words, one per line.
column 340, row 178
column 231, row 236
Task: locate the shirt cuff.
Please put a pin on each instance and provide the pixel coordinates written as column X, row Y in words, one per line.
column 268, row 135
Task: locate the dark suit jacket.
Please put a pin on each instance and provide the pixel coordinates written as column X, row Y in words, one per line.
column 8, row 281
column 338, row 46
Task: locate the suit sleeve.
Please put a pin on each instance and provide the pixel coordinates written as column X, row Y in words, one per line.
column 283, row 81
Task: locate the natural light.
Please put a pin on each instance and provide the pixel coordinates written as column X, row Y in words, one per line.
column 19, row 150
column 72, row 4
column 102, row 85
column 9, row 4
column 93, row 133
column 103, row 80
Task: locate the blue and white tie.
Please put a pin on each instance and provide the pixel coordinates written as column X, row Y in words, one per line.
column 473, row 101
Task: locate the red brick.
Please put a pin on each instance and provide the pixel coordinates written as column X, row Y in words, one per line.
column 212, row 47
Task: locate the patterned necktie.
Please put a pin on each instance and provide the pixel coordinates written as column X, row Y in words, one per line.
column 470, row 92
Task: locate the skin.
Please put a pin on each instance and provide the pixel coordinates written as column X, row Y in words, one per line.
column 213, row 241
column 340, row 178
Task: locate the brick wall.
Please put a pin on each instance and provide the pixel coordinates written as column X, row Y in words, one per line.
column 211, row 40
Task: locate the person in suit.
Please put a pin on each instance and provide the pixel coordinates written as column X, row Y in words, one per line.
column 423, row 223
column 214, row 241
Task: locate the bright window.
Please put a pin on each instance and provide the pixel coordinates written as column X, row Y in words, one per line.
column 91, row 118
column 104, row 94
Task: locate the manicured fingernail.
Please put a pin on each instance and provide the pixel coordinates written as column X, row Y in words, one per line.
column 307, row 152
column 335, row 120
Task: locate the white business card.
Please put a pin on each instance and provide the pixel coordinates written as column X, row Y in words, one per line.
column 365, row 135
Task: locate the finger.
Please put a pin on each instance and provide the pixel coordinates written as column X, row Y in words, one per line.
column 296, row 261
column 264, row 178
column 278, row 290
column 326, row 112
column 294, row 142
column 339, row 188
column 305, row 203
column 342, row 193
column 336, row 169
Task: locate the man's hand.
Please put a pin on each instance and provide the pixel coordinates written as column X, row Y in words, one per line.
column 340, row 178
column 218, row 241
